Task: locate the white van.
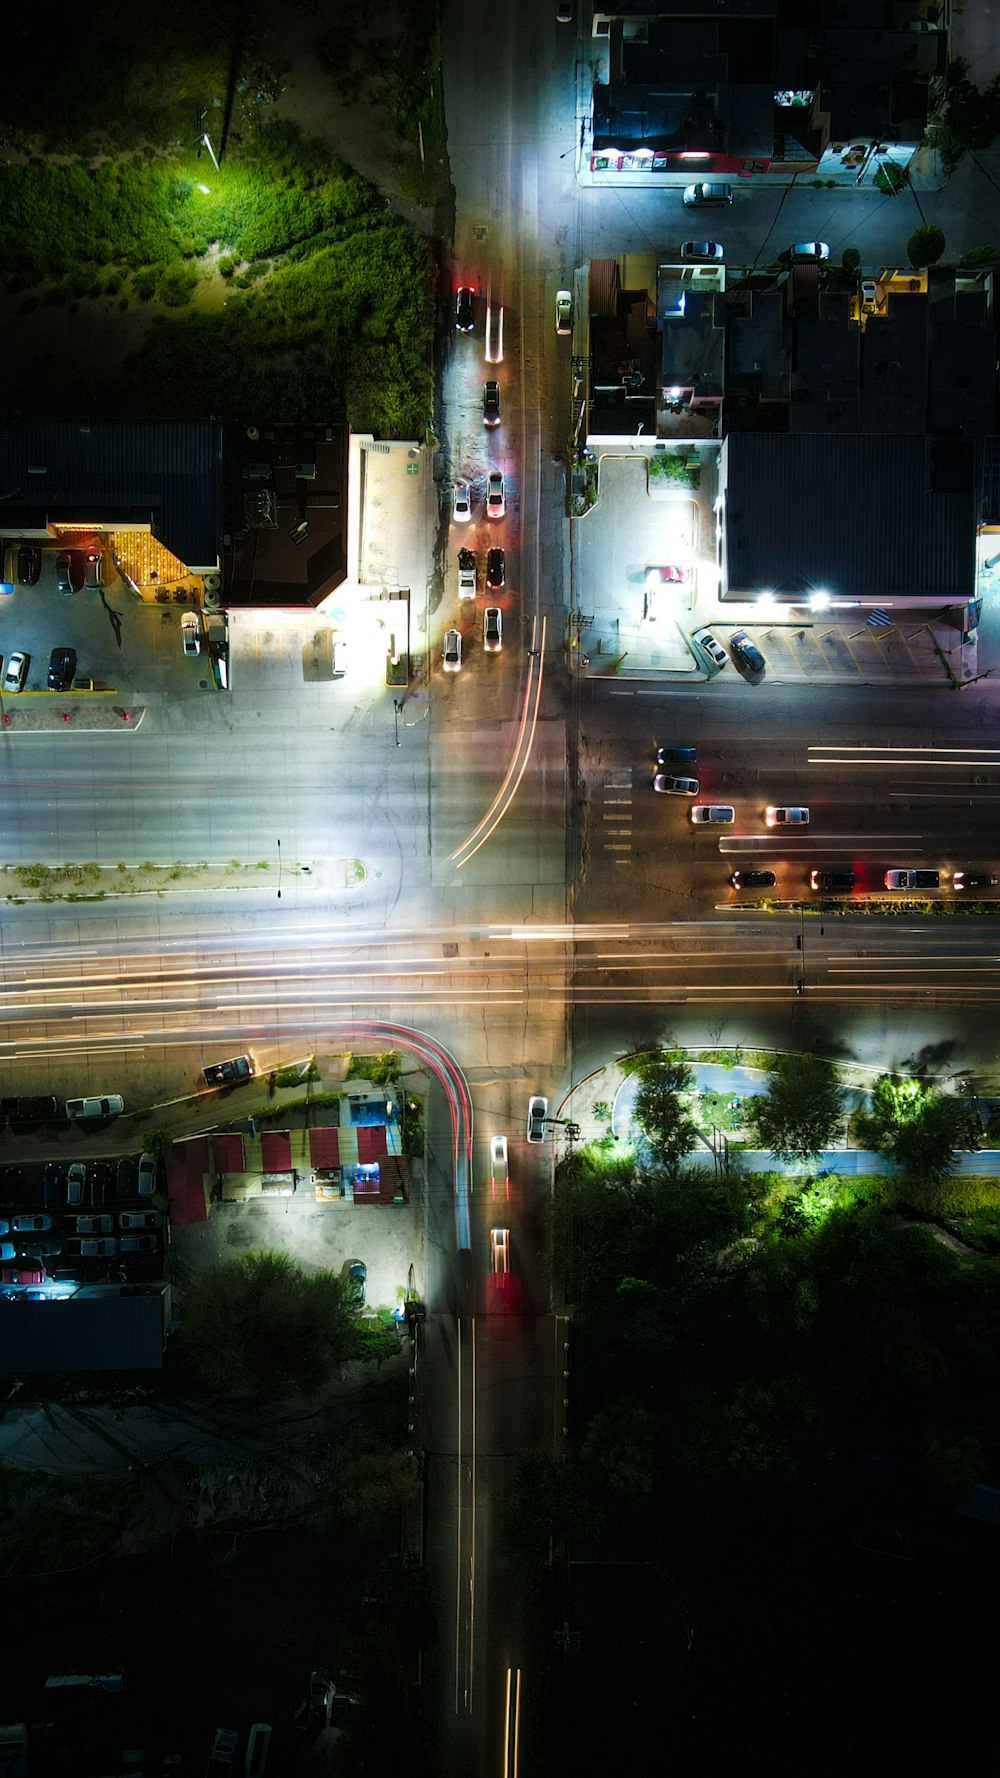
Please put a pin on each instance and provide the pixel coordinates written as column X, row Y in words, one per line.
column 258, row 1742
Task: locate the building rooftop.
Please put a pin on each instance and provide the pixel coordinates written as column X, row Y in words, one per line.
column 286, row 513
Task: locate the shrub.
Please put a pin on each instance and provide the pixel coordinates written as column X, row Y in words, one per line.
column 926, row 245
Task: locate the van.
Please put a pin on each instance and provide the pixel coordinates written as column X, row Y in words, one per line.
column 696, row 196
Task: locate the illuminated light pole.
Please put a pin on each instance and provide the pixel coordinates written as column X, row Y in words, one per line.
column 279, row 870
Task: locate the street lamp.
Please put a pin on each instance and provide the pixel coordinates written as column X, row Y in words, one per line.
column 396, row 708
column 279, row 870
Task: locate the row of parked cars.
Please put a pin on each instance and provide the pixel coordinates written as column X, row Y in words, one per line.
column 76, row 569
column 841, row 882
column 60, row 677
column 42, row 1108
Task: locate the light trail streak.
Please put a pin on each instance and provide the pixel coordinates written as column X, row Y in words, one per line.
column 498, row 808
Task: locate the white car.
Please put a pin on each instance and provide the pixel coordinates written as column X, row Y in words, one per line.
column 704, row 250
column 492, row 629
column 786, row 817
column 496, row 504
column 499, row 1176
column 869, row 296
column 191, row 633
column 146, row 1182
column 669, row 786
column 451, row 654
column 112, row 1105
column 711, row 646
column 713, row 814
column 816, row 250
column 17, row 671
column 537, row 1109
column 461, row 506
column 76, row 1180
column 564, row 312
column 902, row 878
column 500, row 1251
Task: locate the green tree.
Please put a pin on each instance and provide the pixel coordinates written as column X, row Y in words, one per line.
column 801, row 1110
column 259, row 1325
column 158, row 1141
column 619, row 1448
column 915, row 1125
column 926, row 245
column 373, row 1488
column 663, row 1117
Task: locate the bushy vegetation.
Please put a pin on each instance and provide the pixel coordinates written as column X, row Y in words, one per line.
column 801, row 1109
column 337, row 316
column 259, row 1325
column 970, row 118
column 926, row 245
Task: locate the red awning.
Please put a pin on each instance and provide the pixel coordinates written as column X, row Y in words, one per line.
column 228, row 1153
column 324, row 1147
column 371, row 1142
column 276, row 1151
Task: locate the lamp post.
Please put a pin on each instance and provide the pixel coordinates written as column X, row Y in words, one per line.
column 396, row 708
column 279, row 870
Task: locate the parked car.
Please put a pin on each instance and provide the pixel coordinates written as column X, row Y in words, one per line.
column 13, row 1184
column 832, row 881
column 53, row 1181
column 111, row 1105
column 499, row 1175
column 491, row 402
column 703, row 250
column 972, row 879
column 537, row 1111
column 69, row 572
column 125, row 1177
column 467, row 573
column 223, row 1751
column 713, row 814
column 146, row 1181
column 564, row 312
column 496, row 570
column 100, row 1249
column 451, row 653
column 29, row 564
column 461, row 504
column 492, row 629
column 904, row 878
column 753, row 879
column 76, row 1180
column 746, row 653
column 230, row 1073
column 100, row 1176
column 37, row 1109
column 39, row 1246
column 7, row 1250
column 465, row 308
column 190, row 633
column 711, row 646
column 17, row 671
column 869, row 296
column 676, row 756
column 785, row 816
column 321, row 1696
column 357, row 1278
column 669, row 786
column 94, row 568
column 62, row 669
column 258, row 1743
column 815, row 250
column 500, row 1252
column 35, row 1223
column 707, row 192
column 23, row 1272
column 138, row 1244
column 90, row 1224
column 140, row 1219
column 496, row 504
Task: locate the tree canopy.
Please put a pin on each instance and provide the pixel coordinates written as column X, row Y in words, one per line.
column 259, row 1324
column 915, row 1125
column 802, row 1109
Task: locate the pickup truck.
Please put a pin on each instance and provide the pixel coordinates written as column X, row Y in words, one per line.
column 466, row 573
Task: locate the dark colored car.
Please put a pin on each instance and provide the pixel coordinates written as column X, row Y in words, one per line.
column 62, row 669
column 69, row 571
column 491, row 402
column 13, row 1185
column 752, row 879
column 227, row 1074
column 746, row 653
column 53, row 1182
column 465, row 308
column 496, row 569
column 833, row 881
column 29, row 564
column 676, row 756
column 36, row 1111
column 902, row 877
column 972, row 879
column 125, row 1177
column 357, row 1278
column 100, row 1175
column 40, row 1247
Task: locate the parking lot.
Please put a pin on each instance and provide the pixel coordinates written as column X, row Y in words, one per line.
column 122, row 642
column 66, row 1223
